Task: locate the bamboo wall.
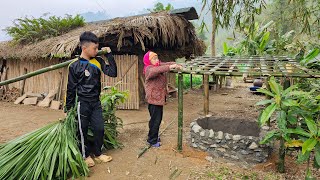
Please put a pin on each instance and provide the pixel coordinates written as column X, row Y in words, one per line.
column 43, row 83
column 128, row 75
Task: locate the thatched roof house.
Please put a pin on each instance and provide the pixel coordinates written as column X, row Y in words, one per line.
column 168, row 33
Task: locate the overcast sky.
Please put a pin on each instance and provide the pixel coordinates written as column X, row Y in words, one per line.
column 13, row 9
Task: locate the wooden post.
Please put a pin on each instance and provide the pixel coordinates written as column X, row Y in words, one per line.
column 217, row 82
column 23, row 83
column 221, row 78
column 180, row 110
column 3, row 78
column 191, row 81
column 206, row 95
column 60, row 87
column 202, row 80
column 213, row 82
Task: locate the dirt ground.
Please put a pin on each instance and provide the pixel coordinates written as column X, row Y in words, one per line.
column 164, row 162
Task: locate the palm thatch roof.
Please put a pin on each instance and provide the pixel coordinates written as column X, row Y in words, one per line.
column 170, row 33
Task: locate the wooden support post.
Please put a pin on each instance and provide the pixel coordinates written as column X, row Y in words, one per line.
column 206, row 95
column 217, row 82
column 180, row 110
column 60, row 87
column 191, row 81
column 221, row 81
column 191, row 85
column 202, row 81
column 23, row 83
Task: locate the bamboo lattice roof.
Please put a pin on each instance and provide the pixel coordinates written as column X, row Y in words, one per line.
column 279, row 66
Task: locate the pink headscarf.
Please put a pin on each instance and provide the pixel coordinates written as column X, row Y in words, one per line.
column 147, row 60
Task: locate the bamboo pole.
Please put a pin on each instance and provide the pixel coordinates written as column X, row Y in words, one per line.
column 206, row 95
column 180, row 110
column 148, row 147
column 43, row 70
column 191, row 85
column 282, row 149
column 268, row 97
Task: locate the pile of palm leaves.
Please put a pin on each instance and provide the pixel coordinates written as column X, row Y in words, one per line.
column 52, row 152
column 30, row 30
column 47, row 153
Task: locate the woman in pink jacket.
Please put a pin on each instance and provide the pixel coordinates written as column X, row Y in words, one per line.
column 156, row 91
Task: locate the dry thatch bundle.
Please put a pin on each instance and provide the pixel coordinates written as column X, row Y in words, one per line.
column 130, row 35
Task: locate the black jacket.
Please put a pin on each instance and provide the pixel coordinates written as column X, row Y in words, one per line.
column 84, row 79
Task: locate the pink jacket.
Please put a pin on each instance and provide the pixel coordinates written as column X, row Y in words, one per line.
column 156, row 83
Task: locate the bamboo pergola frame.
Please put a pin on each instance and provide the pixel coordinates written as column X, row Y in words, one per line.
column 254, row 66
column 278, row 66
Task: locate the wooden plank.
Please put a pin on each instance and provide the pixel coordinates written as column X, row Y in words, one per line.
column 218, row 66
column 55, row 105
column 30, row 101
column 48, row 99
column 233, row 66
column 20, row 99
column 264, row 68
column 279, row 64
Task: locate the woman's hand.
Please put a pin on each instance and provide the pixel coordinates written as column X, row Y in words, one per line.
column 173, row 66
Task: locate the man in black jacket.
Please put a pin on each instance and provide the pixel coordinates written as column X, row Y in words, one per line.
column 84, row 80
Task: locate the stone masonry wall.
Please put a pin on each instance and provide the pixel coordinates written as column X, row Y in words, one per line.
column 235, row 147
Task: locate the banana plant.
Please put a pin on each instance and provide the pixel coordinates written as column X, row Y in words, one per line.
column 312, row 59
column 229, row 50
column 257, row 40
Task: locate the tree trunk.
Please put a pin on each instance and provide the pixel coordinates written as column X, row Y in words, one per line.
column 213, row 37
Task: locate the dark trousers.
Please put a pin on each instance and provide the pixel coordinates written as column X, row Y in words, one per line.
column 156, row 113
column 90, row 114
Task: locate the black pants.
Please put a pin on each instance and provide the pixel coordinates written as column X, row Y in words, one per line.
column 156, row 113
column 90, row 115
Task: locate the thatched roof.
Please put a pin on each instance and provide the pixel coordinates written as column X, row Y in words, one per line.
column 170, row 33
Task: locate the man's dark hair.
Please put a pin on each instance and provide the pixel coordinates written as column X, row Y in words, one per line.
column 87, row 37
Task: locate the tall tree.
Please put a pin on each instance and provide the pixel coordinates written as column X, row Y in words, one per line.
column 226, row 12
